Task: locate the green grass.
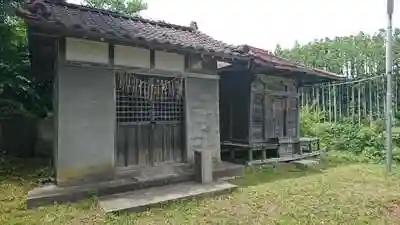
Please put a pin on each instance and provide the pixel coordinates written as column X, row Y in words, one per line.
column 341, row 194
column 396, row 130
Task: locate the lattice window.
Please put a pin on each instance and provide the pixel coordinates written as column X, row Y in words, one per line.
column 142, row 98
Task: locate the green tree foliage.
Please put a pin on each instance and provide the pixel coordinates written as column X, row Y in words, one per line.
column 129, row 7
column 355, row 56
column 7, row 8
column 17, row 88
column 20, row 92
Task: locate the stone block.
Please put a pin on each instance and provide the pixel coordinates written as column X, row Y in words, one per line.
column 306, row 163
column 203, row 166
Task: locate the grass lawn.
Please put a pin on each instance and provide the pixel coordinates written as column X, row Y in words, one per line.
column 344, row 194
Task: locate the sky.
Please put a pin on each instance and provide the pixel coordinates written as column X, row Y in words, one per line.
column 266, row 23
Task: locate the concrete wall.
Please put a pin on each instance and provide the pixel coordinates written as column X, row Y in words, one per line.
column 202, row 116
column 85, row 110
column 169, row 61
column 131, row 56
column 86, row 51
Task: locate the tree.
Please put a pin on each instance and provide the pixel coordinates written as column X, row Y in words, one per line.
column 7, row 8
column 18, row 93
column 355, row 56
column 129, row 7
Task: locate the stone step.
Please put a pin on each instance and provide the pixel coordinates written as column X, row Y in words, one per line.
column 126, row 181
column 306, row 163
column 140, row 200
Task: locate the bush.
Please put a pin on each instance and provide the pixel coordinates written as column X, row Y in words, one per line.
column 343, row 157
column 361, row 140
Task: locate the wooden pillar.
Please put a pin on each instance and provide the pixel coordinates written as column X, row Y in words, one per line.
column 334, row 103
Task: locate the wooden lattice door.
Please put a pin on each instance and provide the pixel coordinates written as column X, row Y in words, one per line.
column 150, row 119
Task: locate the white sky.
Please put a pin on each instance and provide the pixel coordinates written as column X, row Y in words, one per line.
column 265, row 23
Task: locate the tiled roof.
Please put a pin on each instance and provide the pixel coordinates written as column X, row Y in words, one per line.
column 69, row 19
column 265, row 58
column 87, row 21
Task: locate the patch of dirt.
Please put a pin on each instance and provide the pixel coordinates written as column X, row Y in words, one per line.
column 392, row 210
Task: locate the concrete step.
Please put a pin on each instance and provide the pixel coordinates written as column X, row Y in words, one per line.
column 306, row 163
column 124, row 182
column 140, row 200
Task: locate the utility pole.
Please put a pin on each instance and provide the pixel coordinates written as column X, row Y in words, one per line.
column 389, row 67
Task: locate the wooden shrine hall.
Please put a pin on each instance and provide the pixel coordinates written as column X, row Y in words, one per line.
column 259, row 108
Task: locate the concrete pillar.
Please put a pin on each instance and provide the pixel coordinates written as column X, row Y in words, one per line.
column 203, row 166
column 202, row 116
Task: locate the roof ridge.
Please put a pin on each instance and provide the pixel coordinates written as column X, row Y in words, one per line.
column 270, row 53
column 73, row 19
column 118, row 14
column 257, row 51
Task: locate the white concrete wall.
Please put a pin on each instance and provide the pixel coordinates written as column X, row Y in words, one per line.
column 85, row 109
column 86, row 51
column 169, row 61
column 81, row 50
column 131, row 56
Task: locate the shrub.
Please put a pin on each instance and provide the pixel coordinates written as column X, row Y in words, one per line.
column 362, row 140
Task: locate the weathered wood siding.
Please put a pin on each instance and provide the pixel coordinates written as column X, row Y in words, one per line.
column 273, row 108
column 148, row 144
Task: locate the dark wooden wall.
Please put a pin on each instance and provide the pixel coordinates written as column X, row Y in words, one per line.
column 273, row 108
column 257, row 108
column 234, row 105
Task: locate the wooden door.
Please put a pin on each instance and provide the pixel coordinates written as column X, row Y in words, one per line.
column 150, row 119
column 278, row 116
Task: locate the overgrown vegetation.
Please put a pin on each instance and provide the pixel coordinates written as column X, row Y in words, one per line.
column 20, row 93
column 359, row 142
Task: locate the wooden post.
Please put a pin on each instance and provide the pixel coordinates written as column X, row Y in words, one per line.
column 298, row 115
column 378, row 106
column 352, row 103
column 313, row 96
column 232, row 153
column 334, row 103
column 307, row 96
column 330, row 103
column 323, row 102
column 383, row 92
column 394, row 96
column 364, row 99
column 370, row 102
column 340, row 93
column 264, row 154
column 318, row 106
column 359, row 103
column 347, row 101
column 250, row 154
